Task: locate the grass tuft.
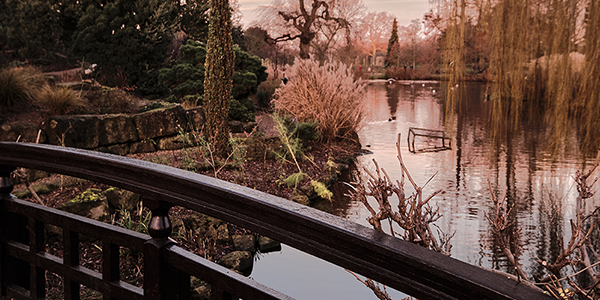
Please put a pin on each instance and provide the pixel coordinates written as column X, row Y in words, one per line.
column 15, row 91
column 59, row 100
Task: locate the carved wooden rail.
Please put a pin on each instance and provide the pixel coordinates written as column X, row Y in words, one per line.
column 167, row 268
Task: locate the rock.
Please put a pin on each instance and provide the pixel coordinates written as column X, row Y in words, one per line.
column 160, row 122
column 122, row 199
column 335, row 168
column 39, row 188
column 196, row 118
column 144, row 146
column 300, row 198
column 249, row 126
column 266, row 245
column 91, row 203
column 170, row 143
column 208, row 228
column 118, row 149
column 328, row 180
column 74, row 131
column 309, row 191
column 48, row 187
column 236, row 126
column 197, row 223
column 24, row 132
column 116, row 129
column 219, row 234
column 32, row 175
column 347, row 160
column 244, row 243
column 200, row 289
column 238, row 261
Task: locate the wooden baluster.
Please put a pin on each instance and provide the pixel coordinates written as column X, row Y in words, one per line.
column 110, row 264
column 6, row 187
column 37, row 275
column 159, row 280
column 71, row 259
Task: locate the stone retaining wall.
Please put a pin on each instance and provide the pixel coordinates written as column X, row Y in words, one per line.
column 118, row 134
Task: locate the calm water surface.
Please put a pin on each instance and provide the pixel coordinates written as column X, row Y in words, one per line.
column 539, row 183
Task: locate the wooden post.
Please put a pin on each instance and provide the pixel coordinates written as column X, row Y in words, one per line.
column 159, row 280
column 6, row 185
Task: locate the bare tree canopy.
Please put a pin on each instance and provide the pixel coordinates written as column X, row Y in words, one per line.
column 375, row 28
column 289, row 20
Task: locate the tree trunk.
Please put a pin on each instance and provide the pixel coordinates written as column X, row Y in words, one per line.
column 304, row 49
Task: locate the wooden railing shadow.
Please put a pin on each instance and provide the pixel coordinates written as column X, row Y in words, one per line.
column 167, row 268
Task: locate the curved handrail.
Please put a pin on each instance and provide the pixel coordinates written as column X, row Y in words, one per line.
column 391, row 261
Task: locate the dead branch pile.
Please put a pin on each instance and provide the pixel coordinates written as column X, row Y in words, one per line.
column 414, row 214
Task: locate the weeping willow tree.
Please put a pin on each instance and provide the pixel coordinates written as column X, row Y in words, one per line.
column 590, row 81
column 544, row 58
column 510, row 51
column 454, row 53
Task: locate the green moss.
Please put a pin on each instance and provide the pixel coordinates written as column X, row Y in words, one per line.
column 90, row 195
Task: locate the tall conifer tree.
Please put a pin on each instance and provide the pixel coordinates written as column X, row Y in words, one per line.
column 218, row 75
column 393, row 40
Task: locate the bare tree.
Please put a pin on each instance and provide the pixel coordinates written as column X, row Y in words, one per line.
column 333, row 35
column 292, row 20
column 411, row 36
column 375, row 28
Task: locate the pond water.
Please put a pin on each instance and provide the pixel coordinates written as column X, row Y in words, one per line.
column 539, row 183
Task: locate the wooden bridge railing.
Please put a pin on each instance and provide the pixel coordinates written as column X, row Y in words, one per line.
column 167, row 268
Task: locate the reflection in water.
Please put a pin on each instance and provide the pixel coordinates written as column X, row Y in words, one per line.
column 539, row 182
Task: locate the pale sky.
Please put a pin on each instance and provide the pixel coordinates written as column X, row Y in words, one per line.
column 403, row 10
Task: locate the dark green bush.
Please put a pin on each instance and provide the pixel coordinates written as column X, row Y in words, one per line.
column 187, row 76
column 264, row 93
column 128, row 40
column 307, row 131
column 241, row 110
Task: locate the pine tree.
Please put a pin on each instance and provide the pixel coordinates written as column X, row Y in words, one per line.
column 393, row 40
column 218, row 79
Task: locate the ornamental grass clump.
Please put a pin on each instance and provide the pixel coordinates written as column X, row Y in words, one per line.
column 326, row 94
column 59, row 100
column 15, row 91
